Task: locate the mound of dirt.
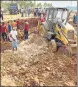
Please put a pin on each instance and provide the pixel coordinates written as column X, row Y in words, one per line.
column 35, row 64
column 5, row 45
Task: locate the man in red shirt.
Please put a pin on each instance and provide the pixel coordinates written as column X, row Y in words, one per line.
column 26, row 30
column 42, row 18
column 4, row 30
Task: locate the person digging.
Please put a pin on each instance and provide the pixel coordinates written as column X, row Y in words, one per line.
column 13, row 35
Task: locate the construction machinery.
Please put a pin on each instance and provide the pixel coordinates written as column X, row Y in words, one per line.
column 58, row 31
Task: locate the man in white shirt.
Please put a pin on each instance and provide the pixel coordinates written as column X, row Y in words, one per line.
column 13, row 35
column 22, row 12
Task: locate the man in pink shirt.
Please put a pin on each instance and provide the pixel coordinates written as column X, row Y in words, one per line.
column 42, row 18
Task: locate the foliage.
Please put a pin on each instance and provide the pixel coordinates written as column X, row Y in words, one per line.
column 24, row 3
column 39, row 5
column 47, row 5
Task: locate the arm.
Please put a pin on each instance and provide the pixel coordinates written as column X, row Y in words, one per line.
column 16, row 35
column 6, row 29
column 12, row 37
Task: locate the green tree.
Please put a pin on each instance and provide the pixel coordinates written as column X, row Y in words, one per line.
column 39, row 5
column 47, row 5
column 5, row 5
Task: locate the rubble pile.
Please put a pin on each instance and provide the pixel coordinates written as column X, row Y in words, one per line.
column 34, row 64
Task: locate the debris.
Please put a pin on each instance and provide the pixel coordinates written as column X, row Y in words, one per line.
column 69, row 83
column 35, row 64
column 48, row 68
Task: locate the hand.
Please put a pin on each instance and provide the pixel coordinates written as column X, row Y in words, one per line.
column 14, row 39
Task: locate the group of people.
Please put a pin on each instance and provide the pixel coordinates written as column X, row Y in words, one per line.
column 39, row 11
column 36, row 12
column 8, row 32
column 25, row 11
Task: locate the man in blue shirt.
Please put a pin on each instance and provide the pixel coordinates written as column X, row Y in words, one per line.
column 9, row 30
column 74, row 19
column 9, row 27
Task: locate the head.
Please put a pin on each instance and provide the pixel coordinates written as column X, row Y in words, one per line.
column 25, row 20
column 8, row 22
column 14, row 28
column 41, row 15
column 14, row 20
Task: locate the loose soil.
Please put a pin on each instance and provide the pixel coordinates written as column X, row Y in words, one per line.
column 35, row 64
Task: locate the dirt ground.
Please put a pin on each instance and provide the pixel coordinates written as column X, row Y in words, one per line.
column 35, row 64
column 14, row 17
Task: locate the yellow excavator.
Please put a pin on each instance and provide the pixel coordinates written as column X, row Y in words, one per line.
column 57, row 30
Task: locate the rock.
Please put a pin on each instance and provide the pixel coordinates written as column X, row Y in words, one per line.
column 54, row 73
column 36, row 60
column 26, row 83
column 46, row 74
column 36, row 80
column 71, row 83
column 41, row 84
column 7, row 81
column 48, row 68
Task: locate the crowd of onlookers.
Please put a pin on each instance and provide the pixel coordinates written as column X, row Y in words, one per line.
column 6, row 27
column 27, row 11
column 8, row 30
column 36, row 12
column 39, row 11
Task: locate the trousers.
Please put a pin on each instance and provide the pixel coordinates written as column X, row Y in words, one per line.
column 25, row 34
